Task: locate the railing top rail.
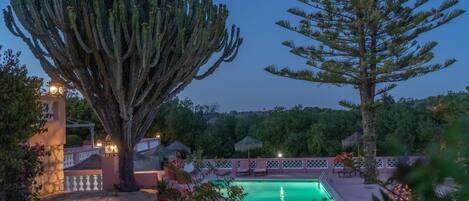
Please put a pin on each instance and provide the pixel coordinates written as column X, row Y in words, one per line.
column 79, row 150
column 82, row 172
column 302, row 158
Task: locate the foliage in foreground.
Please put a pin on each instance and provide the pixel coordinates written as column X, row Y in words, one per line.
column 18, row 170
column 197, row 187
column 441, row 176
column 21, row 117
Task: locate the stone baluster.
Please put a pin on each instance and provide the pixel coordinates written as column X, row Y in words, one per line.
column 95, row 182
column 87, row 183
column 80, row 183
column 74, row 183
column 67, row 184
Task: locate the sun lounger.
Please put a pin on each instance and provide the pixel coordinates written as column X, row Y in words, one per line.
column 346, row 172
column 261, row 168
column 243, row 168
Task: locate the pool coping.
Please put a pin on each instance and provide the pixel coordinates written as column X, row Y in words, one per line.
column 334, row 194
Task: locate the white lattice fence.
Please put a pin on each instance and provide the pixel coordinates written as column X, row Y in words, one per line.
column 223, row 164
column 380, row 163
column 392, row 162
column 205, row 164
column 293, row 164
column 252, row 164
column 273, row 164
column 317, row 164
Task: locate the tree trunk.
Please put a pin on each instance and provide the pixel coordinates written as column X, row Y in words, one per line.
column 369, row 133
column 126, row 169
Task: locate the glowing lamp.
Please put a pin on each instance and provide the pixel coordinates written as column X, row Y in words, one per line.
column 158, row 135
column 56, row 89
column 99, row 143
column 110, row 149
column 280, row 155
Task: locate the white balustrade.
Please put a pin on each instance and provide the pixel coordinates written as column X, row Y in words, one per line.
column 68, row 160
column 303, row 164
column 72, row 156
column 92, row 182
column 84, row 155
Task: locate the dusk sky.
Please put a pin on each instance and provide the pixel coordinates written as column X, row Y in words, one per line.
column 243, row 84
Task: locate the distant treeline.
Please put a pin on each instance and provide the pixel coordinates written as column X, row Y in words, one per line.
column 298, row 131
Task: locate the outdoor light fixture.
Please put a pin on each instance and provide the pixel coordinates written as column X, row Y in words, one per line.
column 56, row 89
column 110, row 149
column 280, row 155
column 158, row 136
column 99, row 143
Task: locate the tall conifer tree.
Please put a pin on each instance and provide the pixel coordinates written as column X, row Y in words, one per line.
column 369, row 44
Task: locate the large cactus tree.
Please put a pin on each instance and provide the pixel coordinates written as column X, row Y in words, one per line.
column 126, row 57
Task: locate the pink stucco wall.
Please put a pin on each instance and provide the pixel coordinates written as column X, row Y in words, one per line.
column 55, row 134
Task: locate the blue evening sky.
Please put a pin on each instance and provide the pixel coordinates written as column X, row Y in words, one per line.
column 243, row 84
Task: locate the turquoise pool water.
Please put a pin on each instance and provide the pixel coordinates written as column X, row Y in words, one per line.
column 283, row 190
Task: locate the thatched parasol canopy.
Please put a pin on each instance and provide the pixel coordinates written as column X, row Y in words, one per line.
column 178, row 146
column 354, row 139
column 248, row 143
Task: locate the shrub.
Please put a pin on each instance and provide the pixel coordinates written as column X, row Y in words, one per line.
column 21, row 118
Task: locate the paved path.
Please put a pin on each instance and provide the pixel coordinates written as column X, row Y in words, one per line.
column 353, row 189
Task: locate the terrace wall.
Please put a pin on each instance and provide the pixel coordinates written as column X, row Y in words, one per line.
column 53, row 140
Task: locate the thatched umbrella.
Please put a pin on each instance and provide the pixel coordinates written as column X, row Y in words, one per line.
column 248, row 143
column 352, row 140
column 178, row 146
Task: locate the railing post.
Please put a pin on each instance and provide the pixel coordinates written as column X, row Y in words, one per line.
column 110, row 172
column 234, row 167
column 304, row 164
column 280, row 164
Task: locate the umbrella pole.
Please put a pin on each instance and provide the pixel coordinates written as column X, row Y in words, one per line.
column 249, row 163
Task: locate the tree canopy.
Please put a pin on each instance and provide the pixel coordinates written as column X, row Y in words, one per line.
column 369, row 44
column 125, row 57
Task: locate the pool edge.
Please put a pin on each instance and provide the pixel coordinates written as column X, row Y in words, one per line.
column 329, row 189
column 334, row 194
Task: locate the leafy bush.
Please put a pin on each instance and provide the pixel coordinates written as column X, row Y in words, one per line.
column 18, row 169
column 21, row 117
column 197, row 188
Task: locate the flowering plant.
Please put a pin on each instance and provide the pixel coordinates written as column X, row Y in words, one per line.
column 344, row 158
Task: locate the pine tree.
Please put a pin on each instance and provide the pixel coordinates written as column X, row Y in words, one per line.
column 125, row 57
column 369, row 44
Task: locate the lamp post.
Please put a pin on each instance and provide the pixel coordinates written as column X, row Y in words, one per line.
column 56, row 89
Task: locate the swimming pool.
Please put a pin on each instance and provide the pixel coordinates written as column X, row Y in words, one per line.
column 283, row 190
